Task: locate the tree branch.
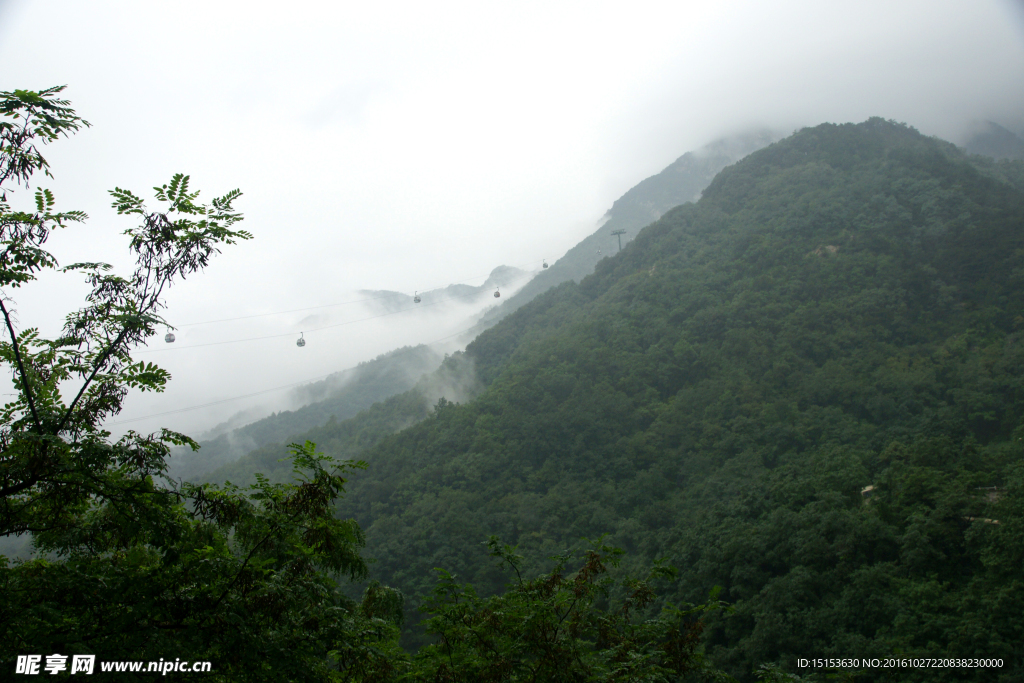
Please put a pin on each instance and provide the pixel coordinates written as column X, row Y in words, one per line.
column 248, row 557
column 85, row 385
column 21, row 368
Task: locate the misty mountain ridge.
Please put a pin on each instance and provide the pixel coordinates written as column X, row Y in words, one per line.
column 342, row 394
column 839, row 311
column 680, row 182
column 992, row 140
column 438, row 300
column 452, row 381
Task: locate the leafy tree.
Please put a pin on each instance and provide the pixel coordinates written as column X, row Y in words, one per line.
column 560, row 626
column 129, row 567
column 57, row 460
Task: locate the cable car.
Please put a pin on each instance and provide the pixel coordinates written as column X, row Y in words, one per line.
column 545, row 263
column 416, row 298
column 497, row 294
column 169, row 337
column 300, row 342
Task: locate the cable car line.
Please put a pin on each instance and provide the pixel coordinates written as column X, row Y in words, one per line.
column 169, row 338
column 293, row 310
column 256, row 393
column 291, row 334
column 223, row 400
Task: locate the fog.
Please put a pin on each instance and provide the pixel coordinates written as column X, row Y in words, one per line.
column 217, row 358
column 409, row 146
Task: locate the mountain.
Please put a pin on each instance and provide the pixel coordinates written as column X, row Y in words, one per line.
column 992, row 140
column 681, row 181
column 805, row 389
column 338, row 397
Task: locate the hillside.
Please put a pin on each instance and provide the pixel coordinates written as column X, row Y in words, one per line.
column 453, row 379
column 992, row 140
column 839, row 311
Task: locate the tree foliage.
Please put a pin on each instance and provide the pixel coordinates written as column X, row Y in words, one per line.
column 561, row 626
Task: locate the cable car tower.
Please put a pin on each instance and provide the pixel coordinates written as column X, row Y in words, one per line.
column 619, row 234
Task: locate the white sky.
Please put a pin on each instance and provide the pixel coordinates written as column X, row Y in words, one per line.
column 409, row 145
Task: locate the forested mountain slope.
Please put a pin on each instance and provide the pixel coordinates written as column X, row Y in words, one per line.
column 840, row 310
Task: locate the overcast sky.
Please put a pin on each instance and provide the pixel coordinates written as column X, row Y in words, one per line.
column 409, row 145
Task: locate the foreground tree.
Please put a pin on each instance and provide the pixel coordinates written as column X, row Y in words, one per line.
column 131, row 568
column 57, row 460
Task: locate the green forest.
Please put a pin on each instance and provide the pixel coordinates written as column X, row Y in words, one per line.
column 784, row 422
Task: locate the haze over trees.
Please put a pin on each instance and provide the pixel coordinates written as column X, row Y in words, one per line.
column 992, row 140
column 338, row 397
